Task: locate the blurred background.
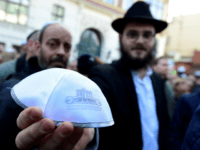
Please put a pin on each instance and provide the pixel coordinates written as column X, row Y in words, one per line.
column 90, row 24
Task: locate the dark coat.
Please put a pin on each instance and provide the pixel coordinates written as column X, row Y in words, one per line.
column 192, row 136
column 9, row 110
column 196, row 88
column 117, row 85
column 10, row 67
column 185, row 109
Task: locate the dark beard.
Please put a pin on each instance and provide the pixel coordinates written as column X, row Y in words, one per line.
column 44, row 64
column 137, row 63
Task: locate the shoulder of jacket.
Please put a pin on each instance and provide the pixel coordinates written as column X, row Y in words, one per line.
column 189, row 96
column 157, row 77
column 104, row 67
column 155, row 74
column 9, row 63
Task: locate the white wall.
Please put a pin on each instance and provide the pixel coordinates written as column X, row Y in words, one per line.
column 77, row 18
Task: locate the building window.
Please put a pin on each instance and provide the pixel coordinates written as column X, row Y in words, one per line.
column 90, row 43
column 156, row 8
column 58, row 13
column 127, row 4
column 14, row 11
column 109, row 1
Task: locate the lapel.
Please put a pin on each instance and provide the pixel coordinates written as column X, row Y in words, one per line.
column 157, row 92
column 125, row 75
column 127, row 80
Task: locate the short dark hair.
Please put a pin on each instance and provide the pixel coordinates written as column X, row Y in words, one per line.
column 42, row 32
column 155, row 62
column 31, row 34
column 86, row 62
column 44, row 28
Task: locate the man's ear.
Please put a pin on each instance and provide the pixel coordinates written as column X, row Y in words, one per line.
column 37, row 47
column 30, row 42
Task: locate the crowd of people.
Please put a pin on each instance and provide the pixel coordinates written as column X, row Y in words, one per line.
column 152, row 108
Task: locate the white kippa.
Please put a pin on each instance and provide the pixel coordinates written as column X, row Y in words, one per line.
column 24, row 42
column 64, row 95
column 181, row 69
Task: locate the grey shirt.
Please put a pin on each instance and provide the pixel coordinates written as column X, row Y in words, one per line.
column 170, row 97
column 6, row 69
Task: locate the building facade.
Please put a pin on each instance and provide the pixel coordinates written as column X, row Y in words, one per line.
column 183, row 37
column 88, row 20
column 183, row 41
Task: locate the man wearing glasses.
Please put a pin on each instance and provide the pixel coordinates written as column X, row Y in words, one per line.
column 134, row 92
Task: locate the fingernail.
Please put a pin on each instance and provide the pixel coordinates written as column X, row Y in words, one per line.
column 62, row 134
column 33, row 115
column 65, row 131
column 45, row 127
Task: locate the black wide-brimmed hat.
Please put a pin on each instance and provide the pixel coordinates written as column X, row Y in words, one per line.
column 139, row 12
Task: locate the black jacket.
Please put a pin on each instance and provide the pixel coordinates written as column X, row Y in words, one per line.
column 9, row 110
column 116, row 83
column 185, row 109
column 192, row 137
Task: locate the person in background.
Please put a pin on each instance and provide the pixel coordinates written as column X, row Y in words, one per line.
column 172, row 78
column 188, row 101
column 134, row 92
column 31, row 39
column 191, row 140
column 180, row 87
column 8, row 53
column 181, row 72
column 161, row 66
column 192, row 77
column 86, row 62
column 23, row 48
column 32, row 130
column 192, row 83
column 16, row 65
column 1, row 52
column 72, row 65
column 197, row 75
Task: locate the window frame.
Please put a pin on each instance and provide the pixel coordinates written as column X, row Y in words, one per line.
column 56, row 15
column 88, row 41
column 7, row 2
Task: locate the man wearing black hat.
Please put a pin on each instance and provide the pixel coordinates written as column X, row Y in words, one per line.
column 134, row 92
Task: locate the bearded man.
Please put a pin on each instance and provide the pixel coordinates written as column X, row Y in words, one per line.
column 134, row 92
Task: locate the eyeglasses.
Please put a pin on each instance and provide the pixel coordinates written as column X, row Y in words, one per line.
column 134, row 35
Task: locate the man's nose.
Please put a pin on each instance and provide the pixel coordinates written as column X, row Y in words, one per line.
column 140, row 39
column 61, row 50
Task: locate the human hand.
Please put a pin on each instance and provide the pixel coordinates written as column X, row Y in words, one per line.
column 41, row 132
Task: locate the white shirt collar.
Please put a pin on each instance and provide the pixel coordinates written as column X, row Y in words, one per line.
column 148, row 73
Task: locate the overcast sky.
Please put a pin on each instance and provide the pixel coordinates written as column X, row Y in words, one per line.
column 183, row 7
